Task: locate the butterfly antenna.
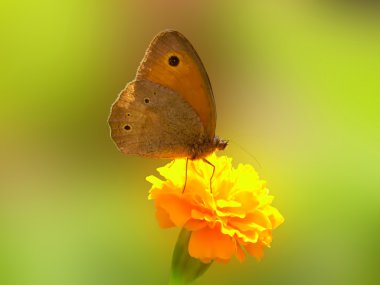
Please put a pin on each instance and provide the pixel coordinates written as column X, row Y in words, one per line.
column 247, row 152
column 184, row 185
column 213, row 171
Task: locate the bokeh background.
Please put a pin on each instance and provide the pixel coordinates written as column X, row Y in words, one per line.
column 297, row 86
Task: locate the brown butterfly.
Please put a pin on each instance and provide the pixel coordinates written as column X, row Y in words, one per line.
column 168, row 110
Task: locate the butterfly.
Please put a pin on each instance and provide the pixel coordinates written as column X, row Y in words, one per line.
column 168, row 110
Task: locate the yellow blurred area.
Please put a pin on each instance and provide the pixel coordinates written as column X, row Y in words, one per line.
column 296, row 85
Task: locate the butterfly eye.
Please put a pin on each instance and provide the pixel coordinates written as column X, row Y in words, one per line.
column 173, row 60
column 127, row 128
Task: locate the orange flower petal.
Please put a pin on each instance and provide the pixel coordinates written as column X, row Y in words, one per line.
column 227, row 204
column 178, row 210
column 205, row 215
column 163, row 218
column 256, row 250
column 195, row 225
column 211, row 244
column 274, row 216
column 240, row 255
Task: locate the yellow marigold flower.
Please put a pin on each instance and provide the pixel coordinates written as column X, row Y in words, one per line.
column 236, row 215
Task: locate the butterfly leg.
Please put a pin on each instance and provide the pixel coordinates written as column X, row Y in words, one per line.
column 171, row 163
column 213, row 171
column 184, row 185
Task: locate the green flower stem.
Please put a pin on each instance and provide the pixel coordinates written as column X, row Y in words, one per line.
column 185, row 269
column 174, row 281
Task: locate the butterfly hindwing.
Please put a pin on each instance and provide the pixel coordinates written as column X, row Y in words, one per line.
column 150, row 120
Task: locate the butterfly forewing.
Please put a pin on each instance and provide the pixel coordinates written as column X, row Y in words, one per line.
column 171, row 61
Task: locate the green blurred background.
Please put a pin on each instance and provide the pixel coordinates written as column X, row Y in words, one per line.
column 296, row 84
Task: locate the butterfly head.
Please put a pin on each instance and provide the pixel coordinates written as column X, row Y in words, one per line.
column 219, row 143
column 207, row 147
